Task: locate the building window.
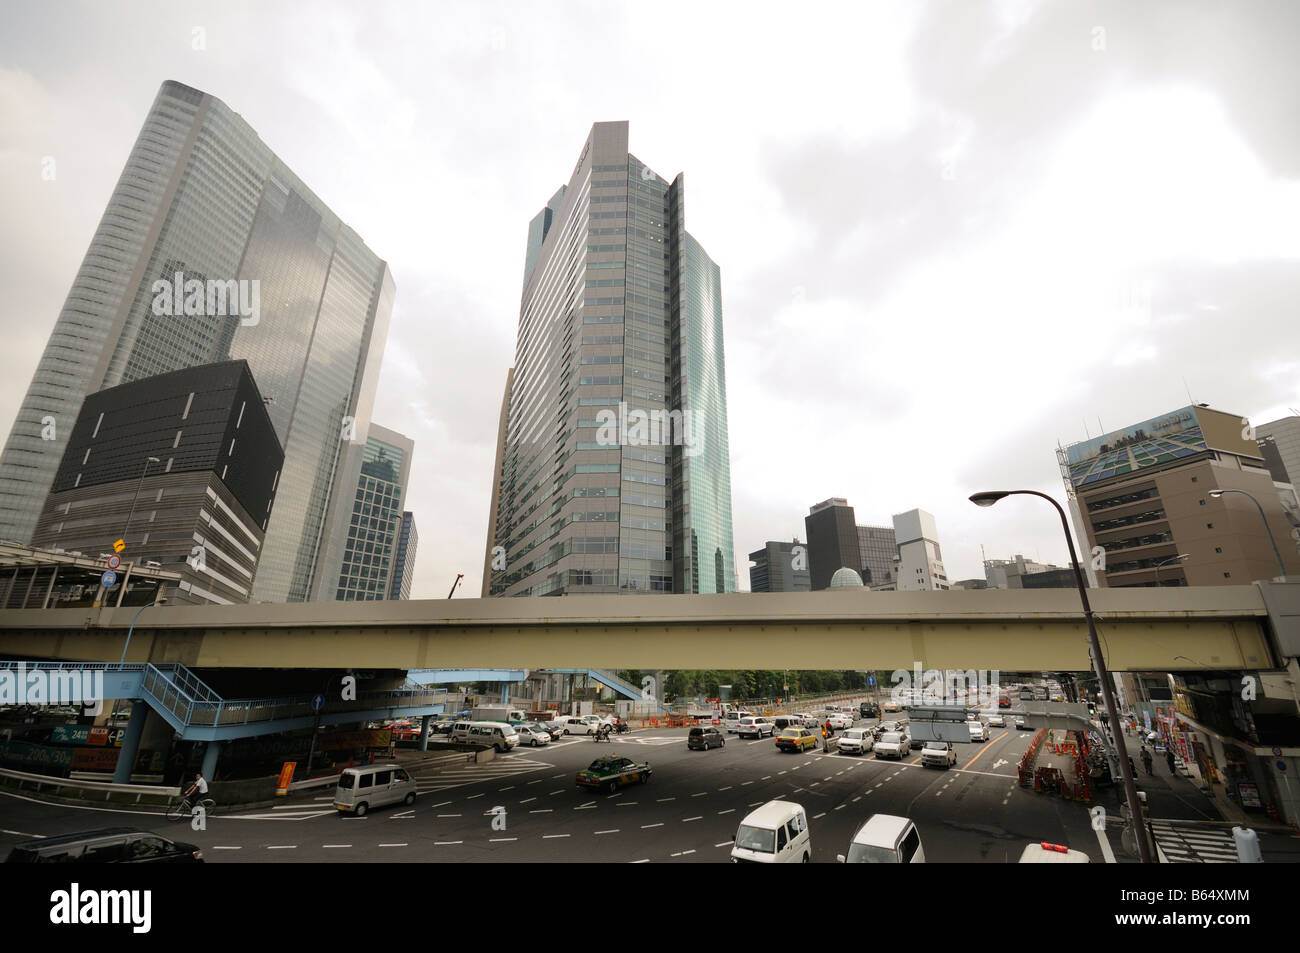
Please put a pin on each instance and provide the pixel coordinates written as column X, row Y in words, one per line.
column 1218, row 549
column 1227, row 575
column 1202, row 502
column 1209, row 526
column 1193, row 479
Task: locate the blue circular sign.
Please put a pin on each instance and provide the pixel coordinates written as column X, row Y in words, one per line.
column 1281, row 765
column 109, row 579
column 317, row 702
column 871, row 680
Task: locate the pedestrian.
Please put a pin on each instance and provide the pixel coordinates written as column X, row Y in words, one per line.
column 1169, row 759
column 830, row 730
column 1146, row 759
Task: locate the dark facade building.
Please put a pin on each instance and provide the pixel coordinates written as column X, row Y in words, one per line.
column 776, row 569
column 369, row 556
column 878, row 546
column 183, row 467
column 832, row 540
column 1049, row 579
column 404, row 563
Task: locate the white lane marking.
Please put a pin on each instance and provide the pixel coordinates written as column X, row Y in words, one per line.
column 444, row 843
column 392, row 845
column 743, row 783
column 449, row 815
column 857, row 799
column 511, row 788
column 646, row 826
column 441, row 804
column 828, row 777
column 747, row 744
column 681, row 852
column 755, row 804
column 472, row 796
column 765, row 777
column 554, row 776
column 336, row 845
column 498, row 840
column 687, row 820
column 1104, row 843
column 725, row 843
column 404, row 814
column 323, row 798
column 839, row 807
column 727, row 788
column 227, row 848
column 538, row 781
column 551, row 836
column 643, row 860
column 780, row 772
column 626, row 804
column 663, row 799
column 21, row 834
column 614, row 831
column 284, row 847
column 541, row 810
column 527, row 799
column 553, row 793
column 730, row 810
column 701, row 794
column 822, row 814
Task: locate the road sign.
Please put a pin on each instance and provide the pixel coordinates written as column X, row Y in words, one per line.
column 871, row 681
column 1281, row 765
column 114, row 562
column 109, row 579
column 119, row 546
column 1277, row 752
column 317, row 702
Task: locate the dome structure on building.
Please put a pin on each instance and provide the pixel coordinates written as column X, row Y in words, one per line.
column 846, row 578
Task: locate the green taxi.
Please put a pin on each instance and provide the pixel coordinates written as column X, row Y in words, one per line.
column 612, row 772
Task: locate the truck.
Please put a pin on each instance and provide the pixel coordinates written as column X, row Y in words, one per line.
column 511, row 716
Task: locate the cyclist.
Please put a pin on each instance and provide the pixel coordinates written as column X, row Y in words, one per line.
column 198, row 790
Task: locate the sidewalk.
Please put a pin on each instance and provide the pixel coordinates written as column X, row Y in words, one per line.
column 1181, row 795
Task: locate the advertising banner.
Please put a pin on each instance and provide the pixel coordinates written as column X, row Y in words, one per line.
column 24, row 753
column 346, row 740
column 95, row 759
column 1153, row 441
column 286, row 778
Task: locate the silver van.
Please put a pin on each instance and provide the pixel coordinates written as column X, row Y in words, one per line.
column 496, row 734
column 375, row 785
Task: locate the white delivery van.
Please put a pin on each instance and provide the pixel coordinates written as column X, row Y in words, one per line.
column 776, row 833
column 375, row 785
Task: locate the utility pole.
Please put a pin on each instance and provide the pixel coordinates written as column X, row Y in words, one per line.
column 459, row 577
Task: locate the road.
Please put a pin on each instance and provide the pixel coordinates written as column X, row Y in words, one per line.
column 688, row 812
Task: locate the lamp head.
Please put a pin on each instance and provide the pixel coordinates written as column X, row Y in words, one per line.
column 988, row 497
column 1216, row 493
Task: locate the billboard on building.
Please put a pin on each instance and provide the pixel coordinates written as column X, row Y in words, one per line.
column 1158, row 440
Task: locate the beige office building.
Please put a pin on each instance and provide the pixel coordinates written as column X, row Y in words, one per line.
column 1143, row 497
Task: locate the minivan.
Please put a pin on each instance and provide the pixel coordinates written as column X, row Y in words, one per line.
column 110, row 845
column 782, row 722
column 374, row 785
column 495, row 734
column 885, row 839
column 776, row 833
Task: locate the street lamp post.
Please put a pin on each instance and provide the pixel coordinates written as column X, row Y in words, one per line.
column 1165, row 562
column 135, row 499
column 988, row 498
column 1281, row 567
column 161, row 600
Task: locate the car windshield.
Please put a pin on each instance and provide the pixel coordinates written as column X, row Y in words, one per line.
column 891, row 737
column 756, row 838
column 936, row 746
column 790, row 733
column 853, row 733
column 864, row 854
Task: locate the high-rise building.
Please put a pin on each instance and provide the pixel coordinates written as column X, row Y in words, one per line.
column 183, row 468
column 832, row 540
column 920, row 563
column 211, row 249
column 779, row 568
column 1285, row 434
column 878, row 548
column 1143, row 495
column 614, row 473
column 370, row 550
column 404, row 562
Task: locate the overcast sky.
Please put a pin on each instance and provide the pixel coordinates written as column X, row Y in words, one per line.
column 951, row 234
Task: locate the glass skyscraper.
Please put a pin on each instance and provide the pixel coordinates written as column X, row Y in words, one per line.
column 370, row 556
column 404, row 562
column 614, row 473
column 211, row 249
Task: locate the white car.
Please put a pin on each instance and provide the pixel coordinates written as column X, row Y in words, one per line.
column 996, row 720
column 857, row 741
column 809, row 720
column 893, row 744
column 885, row 839
column 577, row 726
column 839, row 720
column 978, row 732
column 732, row 719
column 755, row 726
column 938, row 753
column 533, row 735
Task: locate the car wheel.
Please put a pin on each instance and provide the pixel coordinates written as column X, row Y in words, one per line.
column 410, row 799
column 360, row 809
column 611, row 787
column 805, row 858
column 642, row 779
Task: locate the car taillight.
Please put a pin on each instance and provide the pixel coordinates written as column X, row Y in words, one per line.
column 1056, row 847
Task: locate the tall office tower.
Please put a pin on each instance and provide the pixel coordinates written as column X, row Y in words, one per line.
column 778, row 568
column 879, row 551
column 614, row 473
column 832, row 540
column 404, row 562
column 211, row 249
column 920, row 563
column 1142, row 494
column 1285, row 432
column 183, row 468
column 369, row 551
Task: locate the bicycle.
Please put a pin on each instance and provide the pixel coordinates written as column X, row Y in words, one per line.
column 185, row 807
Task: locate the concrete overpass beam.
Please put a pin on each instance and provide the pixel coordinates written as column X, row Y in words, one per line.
column 210, row 759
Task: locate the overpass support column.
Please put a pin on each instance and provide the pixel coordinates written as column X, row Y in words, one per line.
column 505, row 693
column 210, row 759
column 424, row 732
column 130, row 742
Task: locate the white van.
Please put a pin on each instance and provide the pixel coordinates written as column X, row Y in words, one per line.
column 731, row 720
column 493, row 733
column 776, row 833
column 885, row 839
column 375, row 785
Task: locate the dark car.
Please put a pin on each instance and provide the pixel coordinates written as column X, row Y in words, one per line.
column 702, row 739
column 111, row 845
column 869, row 710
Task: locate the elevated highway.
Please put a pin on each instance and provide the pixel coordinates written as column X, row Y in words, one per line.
column 1205, row 628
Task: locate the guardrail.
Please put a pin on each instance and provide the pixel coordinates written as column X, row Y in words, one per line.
column 39, row 782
